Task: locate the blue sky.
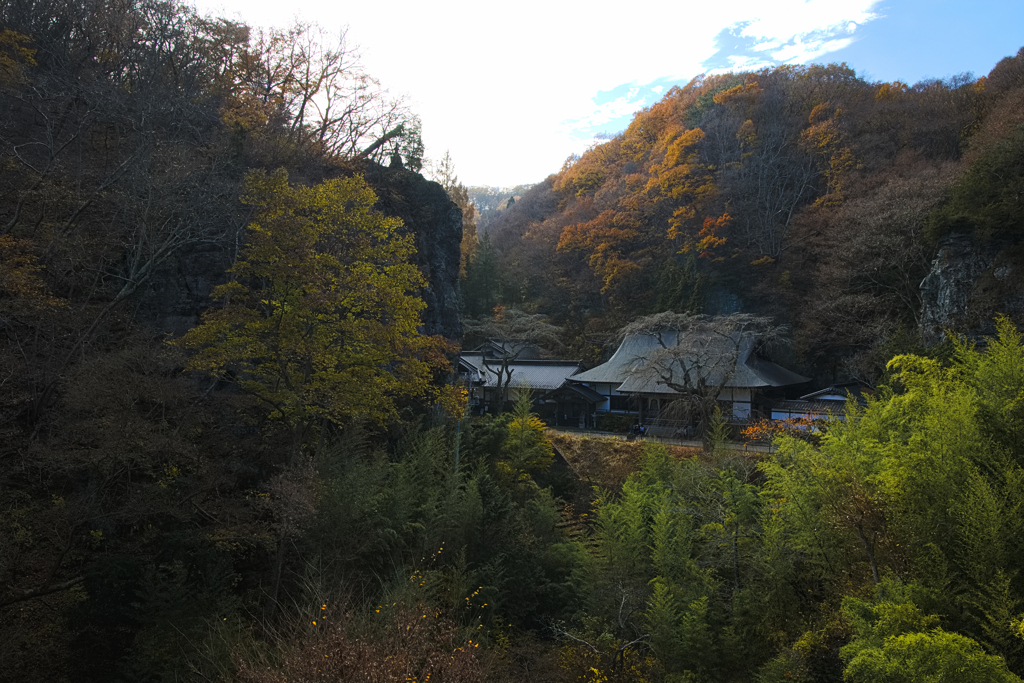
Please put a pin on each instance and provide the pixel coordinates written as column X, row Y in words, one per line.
column 910, row 40
column 511, row 90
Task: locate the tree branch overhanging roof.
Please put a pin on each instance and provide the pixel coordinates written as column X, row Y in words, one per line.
column 712, row 357
column 542, row 375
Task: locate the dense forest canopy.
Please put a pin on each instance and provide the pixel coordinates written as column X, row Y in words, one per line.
column 804, row 193
column 139, row 147
column 231, row 451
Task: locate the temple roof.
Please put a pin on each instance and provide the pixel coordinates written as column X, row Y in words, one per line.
column 542, row 375
column 644, row 363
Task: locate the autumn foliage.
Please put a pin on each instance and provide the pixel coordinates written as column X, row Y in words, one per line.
column 770, row 191
column 321, row 318
column 765, row 431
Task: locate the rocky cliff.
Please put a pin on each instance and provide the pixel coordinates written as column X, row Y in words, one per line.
column 176, row 295
column 970, row 282
column 436, row 221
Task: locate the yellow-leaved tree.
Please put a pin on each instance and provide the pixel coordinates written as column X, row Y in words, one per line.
column 526, row 448
column 320, row 319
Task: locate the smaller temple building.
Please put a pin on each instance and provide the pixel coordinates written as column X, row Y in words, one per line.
column 823, row 404
column 495, row 379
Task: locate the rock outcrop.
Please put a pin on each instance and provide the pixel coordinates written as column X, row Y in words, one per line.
column 968, row 285
column 436, row 222
column 175, row 297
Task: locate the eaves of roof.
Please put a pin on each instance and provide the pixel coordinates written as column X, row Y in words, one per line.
column 625, row 368
column 583, row 391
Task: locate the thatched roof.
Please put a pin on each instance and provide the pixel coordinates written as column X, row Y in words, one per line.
column 641, row 362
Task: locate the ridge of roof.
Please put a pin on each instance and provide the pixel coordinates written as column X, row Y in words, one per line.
column 523, row 361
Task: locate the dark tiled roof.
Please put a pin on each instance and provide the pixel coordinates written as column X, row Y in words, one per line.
column 543, row 375
column 810, row 407
column 840, row 391
column 584, row 391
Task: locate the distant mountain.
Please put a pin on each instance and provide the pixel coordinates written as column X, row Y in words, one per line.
column 490, row 200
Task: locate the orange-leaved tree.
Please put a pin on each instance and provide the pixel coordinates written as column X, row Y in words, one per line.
column 610, row 242
column 320, row 320
column 827, row 140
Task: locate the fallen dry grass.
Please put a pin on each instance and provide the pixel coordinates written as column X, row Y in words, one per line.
column 607, row 461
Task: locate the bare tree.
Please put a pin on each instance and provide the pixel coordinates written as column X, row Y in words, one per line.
column 513, row 332
column 317, row 85
column 104, row 180
column 695, row 357
column 628, row 633
column 774, row 180
column 887, row 257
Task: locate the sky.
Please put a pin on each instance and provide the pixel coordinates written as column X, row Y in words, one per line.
column 510, row 90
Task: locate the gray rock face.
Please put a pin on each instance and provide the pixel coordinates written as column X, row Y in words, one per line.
column 968, row 285
column 946, row 291
column 179, row 292
column 436, row 222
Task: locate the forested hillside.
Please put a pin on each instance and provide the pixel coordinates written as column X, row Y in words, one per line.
column 156, row 166
column 230, row 448
column 491, row 201
column 803, row 193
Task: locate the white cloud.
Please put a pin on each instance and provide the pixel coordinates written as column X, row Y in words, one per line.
column 784, row 20
column 497, row 85
column 605, row 112
column 800, row 52
column 797, row 31
column 746, row 63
